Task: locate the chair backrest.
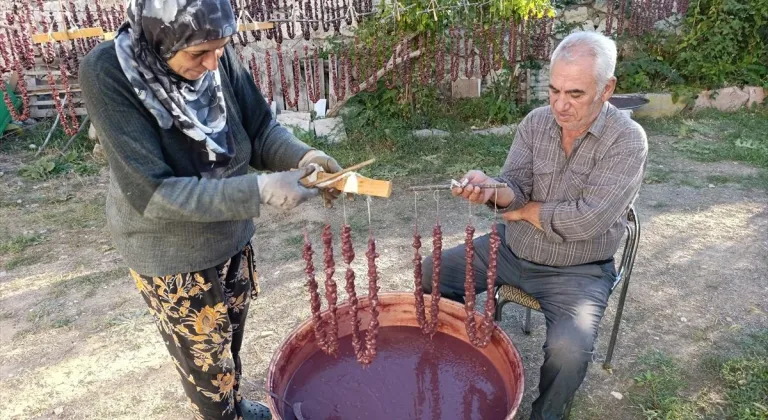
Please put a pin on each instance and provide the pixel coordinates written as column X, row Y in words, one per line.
column 630, row 247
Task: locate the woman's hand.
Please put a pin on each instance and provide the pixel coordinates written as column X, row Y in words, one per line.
column 283, row 189
column 329, row 165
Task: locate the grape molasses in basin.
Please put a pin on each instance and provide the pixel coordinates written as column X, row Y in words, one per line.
column 412, row 377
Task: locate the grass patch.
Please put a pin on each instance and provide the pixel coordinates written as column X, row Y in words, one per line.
column 294, row 240
column 720, row 179
column 70, row 215
column 19, row 243
column 88, row 284
column 62, row 322
column 737, row 384
column 746, row 379
column 399, row 154
column 77, row 158
column 691, row 182
column 759, row 181
column 657, row 176
column 22, row 261
column 658, row 386
column 710, row 135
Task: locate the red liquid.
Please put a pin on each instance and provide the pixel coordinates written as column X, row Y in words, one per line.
column 412, row 377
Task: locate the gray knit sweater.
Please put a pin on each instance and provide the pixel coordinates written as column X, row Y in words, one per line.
column 166, row 213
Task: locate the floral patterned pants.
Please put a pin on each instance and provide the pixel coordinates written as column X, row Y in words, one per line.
column 201, row 317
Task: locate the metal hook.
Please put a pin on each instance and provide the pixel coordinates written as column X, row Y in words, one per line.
column 469, row 210
column 368, row 202
column 436, row 195
column 415, row 211
column 344, row 209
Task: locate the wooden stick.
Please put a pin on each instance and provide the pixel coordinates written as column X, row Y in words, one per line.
column 340, row 173
column 50, row 133
column 363, row 185
column 67, row 35
column 98, row 31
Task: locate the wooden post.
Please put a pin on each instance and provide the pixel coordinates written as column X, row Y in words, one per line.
column 331, row 92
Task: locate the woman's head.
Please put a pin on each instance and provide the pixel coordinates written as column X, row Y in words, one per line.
column 189, row 35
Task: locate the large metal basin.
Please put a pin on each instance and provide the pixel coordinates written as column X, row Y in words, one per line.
column 396, row 309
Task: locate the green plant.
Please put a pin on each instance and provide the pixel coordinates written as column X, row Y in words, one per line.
column 40, row 170
column 657, row 388
column 746, row 380
column 644, row 73
column 19, row 243
column 724, row 42
column 645, row 63
column 48, row 167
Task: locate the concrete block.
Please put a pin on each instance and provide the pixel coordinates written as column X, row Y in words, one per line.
column 756, row 95
column 730, row 99
column 703, row 101
column 425, row 133
column 577, row 15
column 496, row 131
column 466, row 88
column 332, row 129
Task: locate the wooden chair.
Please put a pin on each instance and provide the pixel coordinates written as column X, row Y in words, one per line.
column 506, row 294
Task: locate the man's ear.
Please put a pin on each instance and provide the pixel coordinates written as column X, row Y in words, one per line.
column 610, row 87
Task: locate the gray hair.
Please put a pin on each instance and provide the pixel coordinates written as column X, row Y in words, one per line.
column 590, row 44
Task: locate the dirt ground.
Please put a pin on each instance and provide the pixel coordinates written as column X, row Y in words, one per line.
column 76, row 341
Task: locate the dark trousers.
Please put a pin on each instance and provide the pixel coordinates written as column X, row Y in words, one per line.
column 201, row 317
column 573, row 300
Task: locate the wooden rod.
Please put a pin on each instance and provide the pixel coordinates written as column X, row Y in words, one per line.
column 98, row 31
column 449, row 186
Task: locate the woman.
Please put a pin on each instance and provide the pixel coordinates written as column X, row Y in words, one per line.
column 181, row 121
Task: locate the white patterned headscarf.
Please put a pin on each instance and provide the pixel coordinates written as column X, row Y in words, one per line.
column 155, row 30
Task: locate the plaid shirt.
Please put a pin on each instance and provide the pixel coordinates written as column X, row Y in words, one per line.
column 585, row 196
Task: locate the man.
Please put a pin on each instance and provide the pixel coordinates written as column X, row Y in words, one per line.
column 572, row 172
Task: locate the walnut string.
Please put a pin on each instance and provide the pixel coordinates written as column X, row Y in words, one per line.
column 365, row 351
column 428, row 327
column 326, row 330
column 373, row 297
column 480, row 336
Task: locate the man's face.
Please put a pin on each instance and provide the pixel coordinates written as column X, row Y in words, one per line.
column 573, row 93
column 193, row 62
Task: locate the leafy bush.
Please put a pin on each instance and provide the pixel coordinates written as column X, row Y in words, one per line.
column 720, row 42
column 725, row 42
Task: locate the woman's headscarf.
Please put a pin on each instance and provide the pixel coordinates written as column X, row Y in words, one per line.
column 155, row 30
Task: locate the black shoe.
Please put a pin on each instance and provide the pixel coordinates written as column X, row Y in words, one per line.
column 254, row 410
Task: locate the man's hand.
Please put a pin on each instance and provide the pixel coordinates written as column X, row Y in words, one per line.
column 283, row 190
column 329, row 165
column 529, row 213
column 471, row 191
column 502, row 197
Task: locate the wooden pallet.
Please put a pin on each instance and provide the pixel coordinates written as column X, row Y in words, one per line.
column 41, row 103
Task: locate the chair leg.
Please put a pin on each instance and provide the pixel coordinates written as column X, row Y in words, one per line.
column 527, row 325
column 499, row 306
column 616, row 323
column 497, row 313
column 567, row 411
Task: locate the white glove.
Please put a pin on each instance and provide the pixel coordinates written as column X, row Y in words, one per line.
column 282, row 190
column 329, row 165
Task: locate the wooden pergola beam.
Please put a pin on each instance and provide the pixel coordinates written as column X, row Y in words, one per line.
column 99, row 32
